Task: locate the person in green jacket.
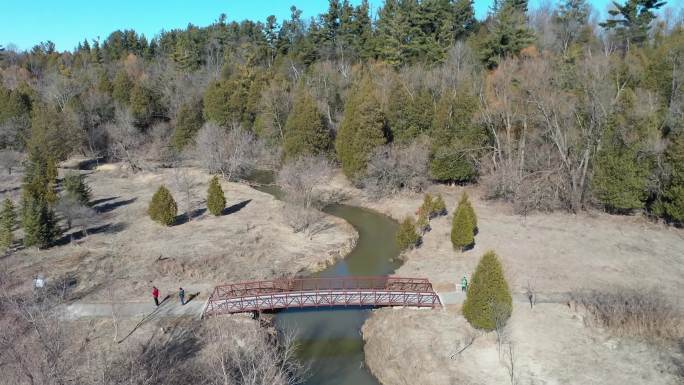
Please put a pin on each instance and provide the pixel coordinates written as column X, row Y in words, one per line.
column 464, row 283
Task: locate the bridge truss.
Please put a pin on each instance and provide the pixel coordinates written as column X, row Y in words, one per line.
column 321, row 292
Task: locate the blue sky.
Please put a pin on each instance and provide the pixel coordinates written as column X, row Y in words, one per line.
column 27, row 22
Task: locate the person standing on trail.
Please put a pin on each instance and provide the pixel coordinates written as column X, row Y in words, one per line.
column 155, row 295
column 181, row 295
column 464, row 283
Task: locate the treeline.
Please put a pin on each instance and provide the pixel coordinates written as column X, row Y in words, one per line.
column 545, row 108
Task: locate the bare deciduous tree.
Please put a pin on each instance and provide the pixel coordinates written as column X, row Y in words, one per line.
column 10, row 160
column 249, row 356
column 302, row 180
column 126, row 140
column 232, row 153
column 185, row 183
column 393, row 168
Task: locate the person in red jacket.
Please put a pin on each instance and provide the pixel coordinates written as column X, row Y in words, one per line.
column 155, row 295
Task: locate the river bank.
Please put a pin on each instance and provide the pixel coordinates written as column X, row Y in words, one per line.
column 552, row 253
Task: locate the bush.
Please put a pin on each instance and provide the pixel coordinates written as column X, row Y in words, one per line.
column 427, row 206
column 488, row 301
column 393, row 168
column 462, row 230
column 39, row 223
column 8, row 220
column 629, row 312
column 216, row 201
column 423, row 223
column 407, row 236
column 470, row 211
column 76, row 188
column 163, row 208
column 438, row 206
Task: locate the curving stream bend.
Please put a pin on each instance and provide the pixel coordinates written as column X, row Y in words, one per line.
column 330, row 340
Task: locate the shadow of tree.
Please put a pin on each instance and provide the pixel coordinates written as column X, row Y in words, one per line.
column 107, row 207
column 102, row 200
column 183, row 218
column 77, row 235
column 236, row 207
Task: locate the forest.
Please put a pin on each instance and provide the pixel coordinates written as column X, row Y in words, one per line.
column 553, row 108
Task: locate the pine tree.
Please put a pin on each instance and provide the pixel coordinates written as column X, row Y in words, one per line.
column 121, row 88
column 8, row 219
column 408, row 115
column 163, row 208
column 39, row 223
column 508, row 33
column 462, row 230
column 216, row 200
column 76, row 188
column 427, row 206
column 488, row 300
column 189, row 120
column 423, row 223
column 305, row 131
column 438, row 206
column 673, row 196
column 407, row 236
column 470, row 211
column 361, row 131
column 634, row 19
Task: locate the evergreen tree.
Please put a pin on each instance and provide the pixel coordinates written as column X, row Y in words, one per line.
column 188, row 122
column 423, row 223
column 427, row 206
column 462, row 230
column 438, row 206
column 144, row 103
column 508, row 33
column 76, row 188
column 571, row 22
column 470, row 211
column 456, row 138
column 673, row 196
column 409, row 116
column 163, row 208
column 8, row 219
column 632, row 21
column 488, row 299
column 407, row 236
column 216, row 200
column 305, row 131
column 361, row 131
column 121, row 88
column 39, row 223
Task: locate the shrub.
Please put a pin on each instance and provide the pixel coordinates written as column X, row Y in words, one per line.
column 488, row 301
column 8, row 220
column 216, row 201
column 407, row 236
column 427, row 206
column 438, row 206
column 393, row 168
column 470, row 211
column 423, row 223
column 462, row 231
column 163, row 208
column 76, row 188
column 629, row 312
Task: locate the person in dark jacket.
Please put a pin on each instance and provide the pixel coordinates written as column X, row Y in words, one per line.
column 181, row 295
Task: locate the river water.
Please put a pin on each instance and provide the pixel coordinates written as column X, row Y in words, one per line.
column 330, row 340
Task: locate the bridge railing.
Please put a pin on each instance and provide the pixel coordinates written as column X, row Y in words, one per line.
column 332, row 291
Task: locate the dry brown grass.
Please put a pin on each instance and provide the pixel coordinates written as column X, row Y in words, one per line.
column 646, row 314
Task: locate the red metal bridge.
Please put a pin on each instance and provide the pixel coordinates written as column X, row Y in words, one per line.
column 320, row 292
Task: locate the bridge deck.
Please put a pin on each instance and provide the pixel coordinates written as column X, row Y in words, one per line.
column 321, row 292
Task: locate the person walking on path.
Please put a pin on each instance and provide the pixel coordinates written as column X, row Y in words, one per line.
column 181, row 295
column 464, row 283
column 155, row 295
